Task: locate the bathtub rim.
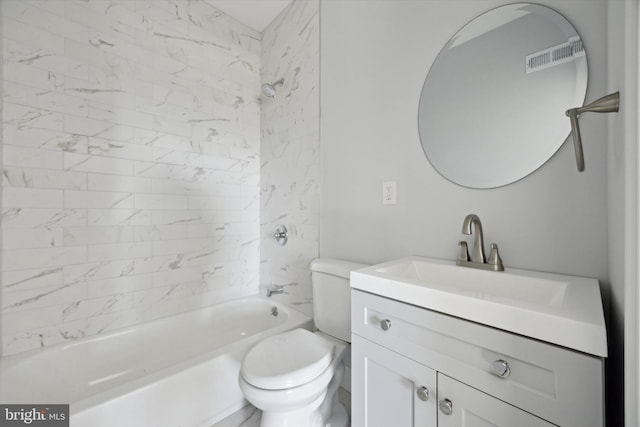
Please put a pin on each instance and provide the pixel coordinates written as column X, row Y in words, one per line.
column 295, row 319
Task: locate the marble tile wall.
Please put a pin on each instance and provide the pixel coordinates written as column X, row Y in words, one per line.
column 290, row 152
column 131, row 164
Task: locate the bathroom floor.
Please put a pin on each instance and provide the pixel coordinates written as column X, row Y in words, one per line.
column 249, row 416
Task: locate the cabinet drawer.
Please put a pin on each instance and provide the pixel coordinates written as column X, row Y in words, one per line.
column 557, row 384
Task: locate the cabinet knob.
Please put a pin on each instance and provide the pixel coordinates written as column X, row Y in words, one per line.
column 423, row 393
column 385, row 324
column 501, row 368
column 446, row 406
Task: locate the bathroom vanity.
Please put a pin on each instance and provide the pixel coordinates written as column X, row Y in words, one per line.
column 435, row 344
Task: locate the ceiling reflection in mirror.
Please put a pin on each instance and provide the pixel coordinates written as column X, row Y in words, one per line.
column 492, row 108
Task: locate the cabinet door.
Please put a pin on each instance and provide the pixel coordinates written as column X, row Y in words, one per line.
column 389, row 389
column 461, row 405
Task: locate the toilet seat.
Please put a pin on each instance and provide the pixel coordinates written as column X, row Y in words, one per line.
column 287, row 360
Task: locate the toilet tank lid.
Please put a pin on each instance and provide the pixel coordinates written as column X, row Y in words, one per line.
column 335, row 267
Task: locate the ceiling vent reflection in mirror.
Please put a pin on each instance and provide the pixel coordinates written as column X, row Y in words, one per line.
column 555, row 55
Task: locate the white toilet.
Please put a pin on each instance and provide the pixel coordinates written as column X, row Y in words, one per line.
column 294, row 377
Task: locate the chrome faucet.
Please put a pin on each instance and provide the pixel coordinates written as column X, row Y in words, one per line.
column 477, row 259
column 478, row 244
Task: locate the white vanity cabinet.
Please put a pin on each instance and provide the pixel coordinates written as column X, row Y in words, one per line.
column 475, row 375
column 390, row 389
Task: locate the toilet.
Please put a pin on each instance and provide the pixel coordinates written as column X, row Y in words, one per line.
column 294, row 377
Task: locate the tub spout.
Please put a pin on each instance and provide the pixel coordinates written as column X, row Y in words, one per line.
column 275, row 290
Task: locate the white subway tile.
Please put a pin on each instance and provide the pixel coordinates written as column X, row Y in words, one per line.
column 160, row 201
column 97, row 199
column 26, row 157
column 33, row 278
column 159, row 263
column 171, row 126
column 186, row 246
column 98, row 164
column 96, row 235
column 115, row 44
column 31, row 35
column 119, row 251
column 120, row 115
column 103, row 269
column 53, row 23
column 45, row 297
column 19, row 217
column 16, row 197
column 106, row 217
column 44, row 99
column 24, row 259
column 222, row 216
column 32, row 76
column 98, row 128
column 25, row 136
column 103, row 182
column 113, row 321
column 85, row 126
column 146, row 233
column 21, row 116
column 122, row 150
column 222, row 203
column 14, row 238
column 148, row 137
column 46, row 60
column 170, row 217
column 178, row 276
column 119, row 285
column 93, row 15
column 43, row 178
column 29, row 320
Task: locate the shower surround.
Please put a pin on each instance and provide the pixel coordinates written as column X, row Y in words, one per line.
column 131, row 169
column 290, row 144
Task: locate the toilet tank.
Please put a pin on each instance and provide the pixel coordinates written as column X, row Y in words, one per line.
column 332, row 296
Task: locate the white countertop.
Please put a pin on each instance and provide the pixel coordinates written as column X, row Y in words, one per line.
column 559, row 309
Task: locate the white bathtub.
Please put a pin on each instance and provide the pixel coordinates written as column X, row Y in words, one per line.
column 177, row 371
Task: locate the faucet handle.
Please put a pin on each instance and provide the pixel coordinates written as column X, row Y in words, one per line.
column 463, row 254
column 494, row 258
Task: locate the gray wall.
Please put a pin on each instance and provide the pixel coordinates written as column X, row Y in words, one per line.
column 1, row 145
column 375, row 56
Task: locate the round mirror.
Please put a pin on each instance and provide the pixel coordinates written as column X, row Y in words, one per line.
column 492, row 108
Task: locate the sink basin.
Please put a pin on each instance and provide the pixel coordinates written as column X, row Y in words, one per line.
column 505, row 286
column 560, row 309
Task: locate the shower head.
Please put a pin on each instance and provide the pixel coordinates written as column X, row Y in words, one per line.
column 269, row 89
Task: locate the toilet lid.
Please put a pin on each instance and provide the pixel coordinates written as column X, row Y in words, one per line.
column 287, row 360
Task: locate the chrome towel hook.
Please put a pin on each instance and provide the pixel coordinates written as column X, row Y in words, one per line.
column 606, row 104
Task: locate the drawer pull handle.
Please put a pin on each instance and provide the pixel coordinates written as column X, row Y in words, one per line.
column 423, row 393
column 446, row 406
column 385, row 324
column 501, row 368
